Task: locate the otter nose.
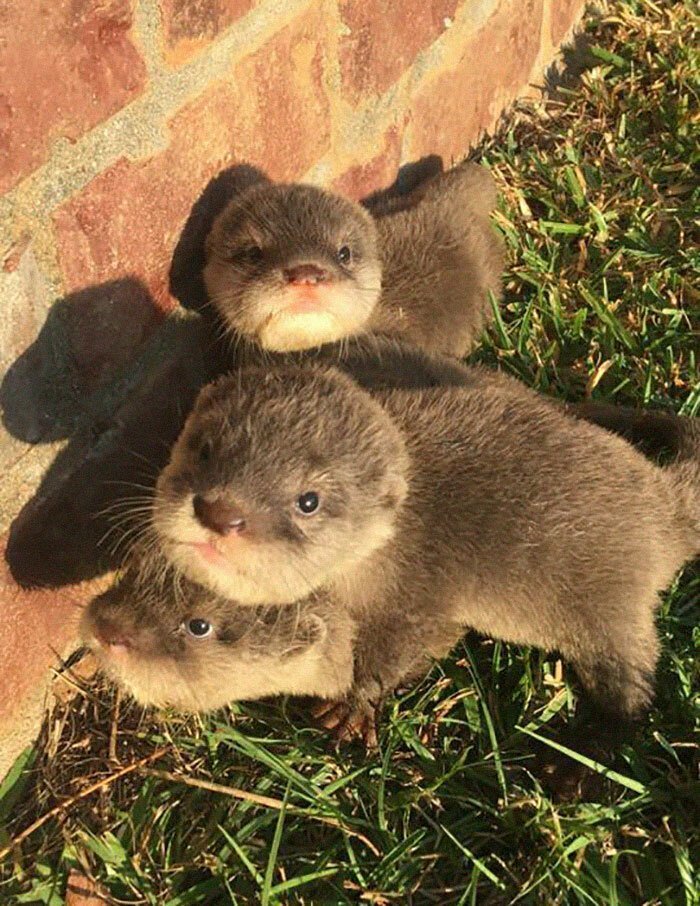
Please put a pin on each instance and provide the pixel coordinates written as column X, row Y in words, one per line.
column 110, row 634
column 219, row 516
column 305, row 273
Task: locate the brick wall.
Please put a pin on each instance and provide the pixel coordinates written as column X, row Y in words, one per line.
column 114, row 115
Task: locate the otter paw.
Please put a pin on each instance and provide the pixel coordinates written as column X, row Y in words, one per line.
column 565, row 778
column 349, row 720
column 569, row 781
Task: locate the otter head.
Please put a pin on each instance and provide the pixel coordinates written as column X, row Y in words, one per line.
column 170, row 643
column 293, row 266
column 280, row 482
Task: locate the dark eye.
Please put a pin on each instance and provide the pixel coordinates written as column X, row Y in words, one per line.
column 197, row 628
column 254, row 254
column 205, row 452
column 344, row 254
column 308, row 503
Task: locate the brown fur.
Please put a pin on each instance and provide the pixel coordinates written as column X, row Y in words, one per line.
column 378, row 362
column 659, row 435
column 441, row 258
column 422, row 272
column 303, row 649
column 374, row 361
column 247, row 659
column 482, row 507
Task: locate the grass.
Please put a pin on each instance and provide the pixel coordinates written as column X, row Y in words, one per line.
column 599, row 204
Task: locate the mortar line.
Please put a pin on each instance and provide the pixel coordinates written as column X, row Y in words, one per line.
column 143, row 123
column 364, row 125
column 148, row 31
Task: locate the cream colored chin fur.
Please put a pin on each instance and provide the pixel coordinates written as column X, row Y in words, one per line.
column 289, row 331
column 343, row 310
column 268, row 572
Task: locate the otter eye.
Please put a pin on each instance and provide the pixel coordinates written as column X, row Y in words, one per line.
column 205, row 452
column 308, row 503
column 254, row 254
column 197, row 628
column 344, row 254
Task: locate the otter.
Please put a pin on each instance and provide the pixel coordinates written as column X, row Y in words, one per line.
column 424, row 513
column 292, row 267
column 377, row 362
column 453, row 208
column 171, row 642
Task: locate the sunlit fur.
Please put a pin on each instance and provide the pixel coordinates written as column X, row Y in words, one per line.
column 498, row 511
column 292, row 225
column 442, row 261
column 434, row 249
column 270, row 437
column 252, row 653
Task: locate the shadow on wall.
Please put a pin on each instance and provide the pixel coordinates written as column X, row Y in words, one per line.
column 86, row 340
column 101, row 374
column 107, row 372
column 576, row 58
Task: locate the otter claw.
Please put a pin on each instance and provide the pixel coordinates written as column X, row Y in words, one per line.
column 324, row 708
column 348, row 721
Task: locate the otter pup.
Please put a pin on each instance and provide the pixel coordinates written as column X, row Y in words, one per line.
column 171, row 642
column 423, row 513
column 378, row 362
column 293, row 266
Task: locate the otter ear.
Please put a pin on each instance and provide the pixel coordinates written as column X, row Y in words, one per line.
column 115, row 594
column 395, row 489
column 243, row 177
column 312, row 630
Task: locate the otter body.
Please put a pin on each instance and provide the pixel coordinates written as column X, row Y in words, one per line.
column 379, row 362
column 292, row 267
column 442, row 262
column 421, row 514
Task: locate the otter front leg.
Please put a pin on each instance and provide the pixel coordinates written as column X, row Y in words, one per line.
column 375, row 675
column 388, row 650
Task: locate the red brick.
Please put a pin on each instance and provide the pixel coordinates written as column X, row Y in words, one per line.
column 363, row 179
column 37, row 628
column 384, row 39
column 36, row 625
column 563, row 15
column 450, row 111
column 189, row 25
column 272, row 112
column 64, row 67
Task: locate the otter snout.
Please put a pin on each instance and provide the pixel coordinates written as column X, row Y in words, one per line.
column 306, row 274
column 218, row 515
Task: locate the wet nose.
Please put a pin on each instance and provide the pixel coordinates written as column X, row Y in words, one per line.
column 109, row 633
column 218, row 515
column 305, row 273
